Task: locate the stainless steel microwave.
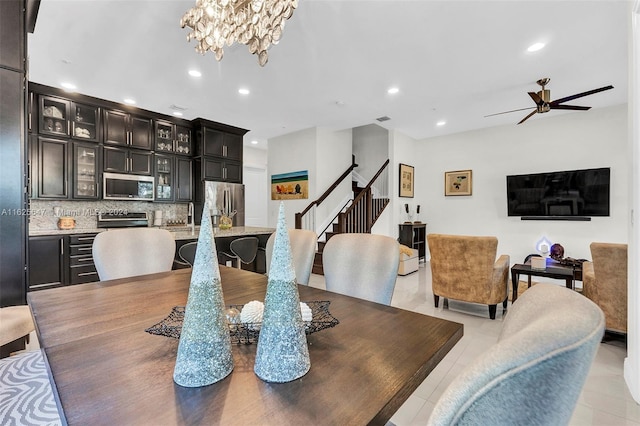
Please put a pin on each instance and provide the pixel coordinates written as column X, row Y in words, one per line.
column 118, row 186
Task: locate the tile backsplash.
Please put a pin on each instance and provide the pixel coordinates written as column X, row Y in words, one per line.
column 43, row 215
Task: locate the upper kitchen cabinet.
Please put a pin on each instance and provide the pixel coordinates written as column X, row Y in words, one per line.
column 171, row 137
column 183, row 141
column 54, row 116
column 64, row 118
column 218, row 140
column 121, row 128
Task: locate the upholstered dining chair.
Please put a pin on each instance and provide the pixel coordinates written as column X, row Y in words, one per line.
column 303, row 250
column 243, row 250
column 15, row 325
column 535, row 372
column 465, row 268
column 187, row 252
column 362, row 265
column 129, row 252
column 604, row 280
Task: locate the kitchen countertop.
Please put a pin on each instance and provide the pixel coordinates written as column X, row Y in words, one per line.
column 178, row 232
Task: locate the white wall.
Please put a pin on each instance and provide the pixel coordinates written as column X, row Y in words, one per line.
column 581, row 140
column 254, row 177
column 326, row 154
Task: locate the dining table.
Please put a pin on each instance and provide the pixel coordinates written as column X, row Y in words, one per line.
column 105, row 369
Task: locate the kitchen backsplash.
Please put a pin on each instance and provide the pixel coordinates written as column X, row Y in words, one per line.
column 43, row 217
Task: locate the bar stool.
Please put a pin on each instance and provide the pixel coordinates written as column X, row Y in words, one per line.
column 187, row 252
column 243, row 250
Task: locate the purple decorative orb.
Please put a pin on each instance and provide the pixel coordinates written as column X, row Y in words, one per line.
column 557, row 252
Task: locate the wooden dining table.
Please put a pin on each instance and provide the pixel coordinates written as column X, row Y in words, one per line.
column 106, row 370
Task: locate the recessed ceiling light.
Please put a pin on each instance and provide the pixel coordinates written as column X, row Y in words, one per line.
column 441, row 123
column 243, row 91
column 535, row 47
column 130, row 101
column 195, row 73
column 254, row 142
column 177, row 113
column 393, row 90
column 68, row 86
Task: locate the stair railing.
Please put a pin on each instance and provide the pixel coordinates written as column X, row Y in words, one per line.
column 306, row 219
column 365, row 209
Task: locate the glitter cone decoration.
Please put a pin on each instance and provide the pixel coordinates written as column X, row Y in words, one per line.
column 282, row 354
column 204, row 353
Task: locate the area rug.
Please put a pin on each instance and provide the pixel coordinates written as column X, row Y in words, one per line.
column 26, row 397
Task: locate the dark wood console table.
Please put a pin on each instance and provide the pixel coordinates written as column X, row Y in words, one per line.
column 553, row 270
column 414, row 235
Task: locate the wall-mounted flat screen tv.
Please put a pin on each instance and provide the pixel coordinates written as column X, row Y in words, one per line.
column 570, row 193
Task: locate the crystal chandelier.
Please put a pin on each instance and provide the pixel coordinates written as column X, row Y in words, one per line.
column 256, row 23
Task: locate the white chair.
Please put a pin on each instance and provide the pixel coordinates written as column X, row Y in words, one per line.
column 362, row 265
column 303, row 250
column 535, row 372
column 15, row 323
column 121, row 253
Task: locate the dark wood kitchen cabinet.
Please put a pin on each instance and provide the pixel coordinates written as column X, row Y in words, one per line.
column 125, row 160
column 121, row 128
column 59, row 260
column 216, row 143
column 86, row 171
column 47, row 262
column 49, row 167
column 65, row 118
column 164, row 175
column 184, row 179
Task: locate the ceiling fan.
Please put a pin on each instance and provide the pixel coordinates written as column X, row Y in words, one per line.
column 545, row 104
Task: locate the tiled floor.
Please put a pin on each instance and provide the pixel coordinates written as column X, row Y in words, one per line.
column 605, row 400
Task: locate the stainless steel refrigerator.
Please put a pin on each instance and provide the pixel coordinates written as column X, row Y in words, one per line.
column 225, row 199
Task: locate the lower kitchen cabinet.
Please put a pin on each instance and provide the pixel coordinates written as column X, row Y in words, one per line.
column 46, row 262
column 58, row 260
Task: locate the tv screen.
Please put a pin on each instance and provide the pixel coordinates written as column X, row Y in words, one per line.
column 563, row 194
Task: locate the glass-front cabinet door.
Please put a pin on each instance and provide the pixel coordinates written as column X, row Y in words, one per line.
column 85, row 170
column 54, row 116
column 164, row 177
column 84, row 122
column 164, row 136
column 183, row 140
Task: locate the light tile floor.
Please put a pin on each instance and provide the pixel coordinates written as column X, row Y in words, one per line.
column 605, row 399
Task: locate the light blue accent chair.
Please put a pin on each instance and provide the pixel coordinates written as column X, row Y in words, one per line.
column 534, row 374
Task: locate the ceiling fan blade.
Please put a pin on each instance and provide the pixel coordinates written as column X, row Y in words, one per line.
column 528, row 116
column 507, row 112
column 536, row 98
column 579, row 95
column 572, row 107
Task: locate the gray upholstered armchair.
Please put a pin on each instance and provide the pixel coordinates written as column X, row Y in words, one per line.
column 535, row 372
column 605, row 282
column 465, row 268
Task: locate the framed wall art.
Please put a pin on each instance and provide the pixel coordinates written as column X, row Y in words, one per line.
column 458, row 182
column 290, row 186
column 406, row 181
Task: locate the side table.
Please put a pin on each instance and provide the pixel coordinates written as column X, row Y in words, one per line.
column 553, row 270
column 413, row 235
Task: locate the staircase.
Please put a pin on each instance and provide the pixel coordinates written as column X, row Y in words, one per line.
column 358, row 216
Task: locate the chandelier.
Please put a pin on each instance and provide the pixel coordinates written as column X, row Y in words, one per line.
column 256, row 23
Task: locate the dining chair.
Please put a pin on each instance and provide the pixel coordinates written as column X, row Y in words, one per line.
column 535, row 372
column 129, row 252
column 243, row 250
column 15, row 325
column 303, row 250
column 362, row 265
column 187, row 252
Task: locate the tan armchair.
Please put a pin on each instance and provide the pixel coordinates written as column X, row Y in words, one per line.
column 604, row 281
column 465, row 268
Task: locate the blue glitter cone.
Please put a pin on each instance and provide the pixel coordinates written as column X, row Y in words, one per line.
column 204, row 353
column 282, row 354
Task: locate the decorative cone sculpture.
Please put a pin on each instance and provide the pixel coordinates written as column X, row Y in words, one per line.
column 282, row 354
column 204, row 353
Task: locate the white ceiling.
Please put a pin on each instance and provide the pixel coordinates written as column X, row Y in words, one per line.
column 452, row 60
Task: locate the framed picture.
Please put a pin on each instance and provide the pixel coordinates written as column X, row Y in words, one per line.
column 406, row 181
column 458, row 182
column 290, row 186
